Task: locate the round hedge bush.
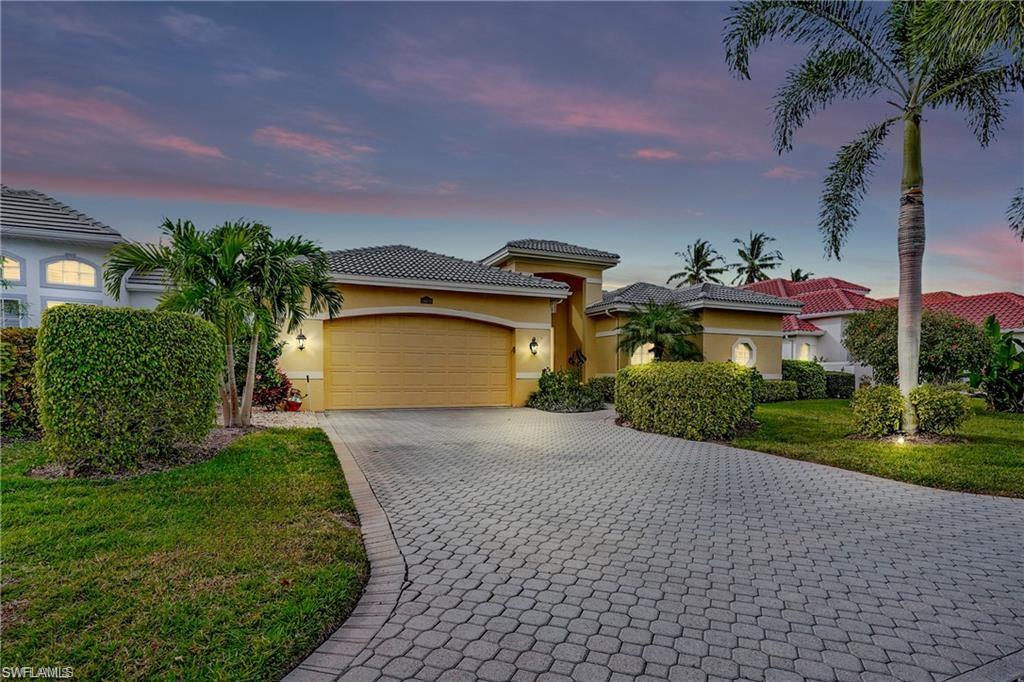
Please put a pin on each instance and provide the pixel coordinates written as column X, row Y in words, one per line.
column 877, row 410
column 809, row 377
column 939, row 409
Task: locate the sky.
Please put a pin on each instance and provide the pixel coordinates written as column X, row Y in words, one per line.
column 456, row 127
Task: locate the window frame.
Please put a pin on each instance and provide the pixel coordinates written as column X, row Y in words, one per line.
column 20, row 298
column 20, row 282
column 47, row 284
column 46, row 300
column 753, row 351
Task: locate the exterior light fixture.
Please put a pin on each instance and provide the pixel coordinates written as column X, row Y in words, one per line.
column 301, row 338
column 901, row 440
column 534, row 345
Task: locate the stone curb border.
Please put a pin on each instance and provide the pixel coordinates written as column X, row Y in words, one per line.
column 1009, row 668
column 387, row 575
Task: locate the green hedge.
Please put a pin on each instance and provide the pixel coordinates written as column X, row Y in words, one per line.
column 778, row 391
column 695, row 400
column 839, row 385
column 605, row 387
column 877, row 410
column 564, row 392
column 939, row 409
column 117, row 386
column 19, row 417
column 809, row 377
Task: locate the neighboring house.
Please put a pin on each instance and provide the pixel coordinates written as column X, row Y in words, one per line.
column 1007, row 306
column 422, row 329
column 52, row 254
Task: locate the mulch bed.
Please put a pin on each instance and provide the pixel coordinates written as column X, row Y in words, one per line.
column 218, row 439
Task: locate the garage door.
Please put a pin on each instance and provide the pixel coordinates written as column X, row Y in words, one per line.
column 386, row 361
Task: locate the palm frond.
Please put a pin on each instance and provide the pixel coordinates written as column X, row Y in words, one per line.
column 976, row 27
column 126, row 258
column 846, row 185
column 980, row 87
column 1015, row 213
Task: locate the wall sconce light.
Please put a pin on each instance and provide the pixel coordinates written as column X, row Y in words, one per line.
column 301, row 338
column 534, row 345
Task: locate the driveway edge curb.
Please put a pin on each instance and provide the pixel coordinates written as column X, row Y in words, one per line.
column 1005, row 669
column 387, row 575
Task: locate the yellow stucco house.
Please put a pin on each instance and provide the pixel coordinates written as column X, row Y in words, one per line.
column 422, row 329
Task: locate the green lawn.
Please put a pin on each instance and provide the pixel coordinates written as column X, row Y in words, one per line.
column 990, row 460
column 232, row 568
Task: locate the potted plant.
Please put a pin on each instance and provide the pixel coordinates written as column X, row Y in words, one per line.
column 294, row 400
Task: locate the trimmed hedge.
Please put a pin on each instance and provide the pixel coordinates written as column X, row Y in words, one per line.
column 877, row 410
column 604, row 387
column 564, row 392
column 939, row 409
column 116, row 386
column 839, row 385
column 695, row 400
column 19, row 417
column 778, row 391
column 808, row 375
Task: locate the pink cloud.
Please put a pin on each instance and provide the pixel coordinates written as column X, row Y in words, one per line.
column 650, row 154
column 786, row 173
column 273, row 136
column 100, row 115
column 989, row 258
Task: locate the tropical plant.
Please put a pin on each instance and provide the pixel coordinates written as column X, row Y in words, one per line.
column 1002, row 377
column 859, row 51
column 663, row 326
column 238, row 277
column 755, row 259
column 700, row 264
column 799, row 275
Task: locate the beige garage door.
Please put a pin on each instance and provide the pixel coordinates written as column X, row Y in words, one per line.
column 385, row 361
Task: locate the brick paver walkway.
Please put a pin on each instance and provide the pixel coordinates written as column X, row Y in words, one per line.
column 545, row 546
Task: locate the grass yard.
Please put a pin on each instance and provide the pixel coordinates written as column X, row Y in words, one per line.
column 233, row 568
column 989, row 461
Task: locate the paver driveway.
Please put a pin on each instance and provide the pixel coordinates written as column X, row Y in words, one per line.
column 562, row 546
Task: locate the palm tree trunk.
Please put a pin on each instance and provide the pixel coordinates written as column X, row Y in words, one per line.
column 250, row 379
column 232, row 384
column 911, row 254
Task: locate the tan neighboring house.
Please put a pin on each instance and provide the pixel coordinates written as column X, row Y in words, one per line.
column 422, row 329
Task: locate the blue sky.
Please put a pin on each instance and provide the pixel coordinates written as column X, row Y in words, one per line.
column 456, row 127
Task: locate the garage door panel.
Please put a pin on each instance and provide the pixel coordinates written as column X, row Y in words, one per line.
column 416, row 361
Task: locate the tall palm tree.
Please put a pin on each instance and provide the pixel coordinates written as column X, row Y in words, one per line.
column 237, row 277
column 699, row 265
column 755, row 258
column 859, row 51
column 664, row 326
column 799, row 275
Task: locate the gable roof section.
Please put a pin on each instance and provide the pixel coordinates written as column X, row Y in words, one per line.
column 405, row 266
column 788, row 289
column 551, row 249
column 793, row 325
column 835, row 302
column 28, row 213
column 705, row 295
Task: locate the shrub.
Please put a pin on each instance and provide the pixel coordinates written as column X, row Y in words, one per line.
column 116, row 386
column 756, row 388
column 939, row 409
column 272, row 394
column 839, row 385
column 808, row 375
column 272, row 385
column 695, row 400
column 604, row 387
column 1002, row 376
column 950, row 346
column 877, row 410
column 564, row 392
column 778, row 391
column 19, row 417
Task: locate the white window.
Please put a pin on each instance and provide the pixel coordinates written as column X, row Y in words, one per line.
column 54, row 302
column 13, row 313
column 805, row 351
column 10, row 270
column 71, row 273
column 744, row 352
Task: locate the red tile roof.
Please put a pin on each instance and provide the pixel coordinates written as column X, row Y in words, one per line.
column 1007, row 306
column 927, row 298
column 835, row 301
column 792, row 323
column 790, row 289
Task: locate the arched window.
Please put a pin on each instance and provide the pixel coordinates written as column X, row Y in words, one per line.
column 12, row 270
column 744, row 352
column 69, row 272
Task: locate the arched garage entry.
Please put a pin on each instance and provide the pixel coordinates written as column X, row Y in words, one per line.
column 392, row 361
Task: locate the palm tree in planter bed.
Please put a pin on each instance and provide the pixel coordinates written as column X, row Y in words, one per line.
column 865, row 51
column 663, row 326
column 240, row 278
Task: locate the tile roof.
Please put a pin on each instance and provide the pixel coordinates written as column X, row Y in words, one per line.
column 787, row 288
column 155, row 278
column 792, row 323
column 407, row 263
column 926, row 298
column 693, row 296
column 28, row 213
column 1007, row 306
column 551, row 247
column 835, row 301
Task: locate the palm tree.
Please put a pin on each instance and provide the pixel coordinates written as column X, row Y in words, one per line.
column 859, row 51
column 755, row 259
column 699, row 266
column 237, row 277
column 665, row 327
column 799, row 275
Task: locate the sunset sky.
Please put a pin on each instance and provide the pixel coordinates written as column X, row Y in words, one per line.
column 457, row 127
